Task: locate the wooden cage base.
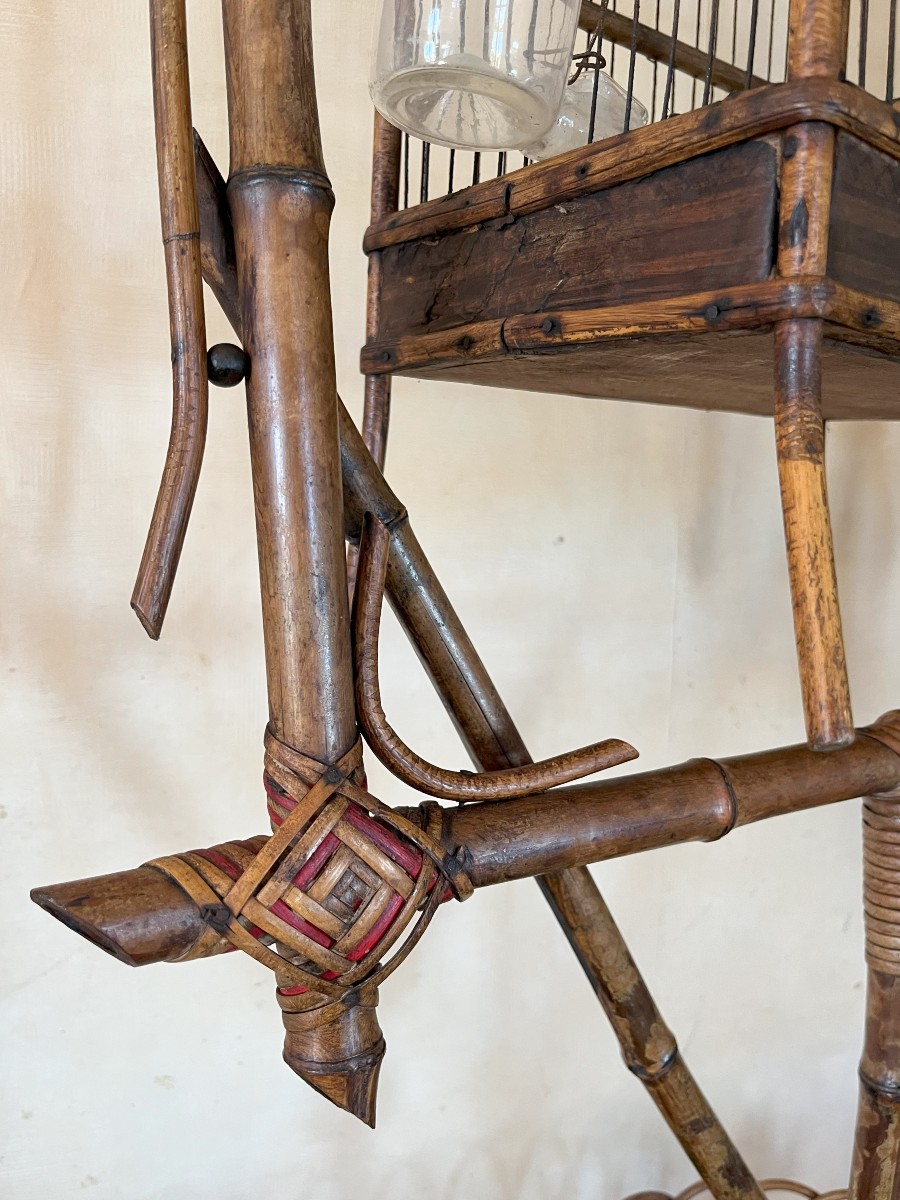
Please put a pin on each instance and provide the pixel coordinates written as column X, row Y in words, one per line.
column 645, row 267
column 725, row 372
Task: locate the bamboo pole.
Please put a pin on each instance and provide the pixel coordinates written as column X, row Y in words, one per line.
column 648, row 1046
column 385, row 195
column 700, row 800
column 488, row 731
column 494, row 743
column 619, row 28
column 413, row 590
column 815, row 48
column 280, row 203
column 385, row 198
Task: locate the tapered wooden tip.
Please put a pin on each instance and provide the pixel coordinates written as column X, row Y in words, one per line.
column 352, row 1086
column 341, row 1058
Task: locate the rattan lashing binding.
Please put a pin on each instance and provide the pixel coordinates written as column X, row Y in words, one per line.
column 323, row 899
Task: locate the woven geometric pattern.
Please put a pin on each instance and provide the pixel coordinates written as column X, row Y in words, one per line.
column 349, row 891
column 324, row 898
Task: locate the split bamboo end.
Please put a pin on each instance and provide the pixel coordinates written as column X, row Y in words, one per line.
column 49, row 900
column 138, row 916
column 148, row 615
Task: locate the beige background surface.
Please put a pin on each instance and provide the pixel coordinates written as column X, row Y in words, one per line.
column 622, row 572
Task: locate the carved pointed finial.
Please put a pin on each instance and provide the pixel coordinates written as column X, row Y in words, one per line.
column 340, row 1059
column 351, row 1086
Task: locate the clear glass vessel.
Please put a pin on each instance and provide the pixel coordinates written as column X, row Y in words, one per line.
column 473, row 74
column 574, row 121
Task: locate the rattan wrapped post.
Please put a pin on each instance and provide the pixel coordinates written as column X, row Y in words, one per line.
column 876, row 1157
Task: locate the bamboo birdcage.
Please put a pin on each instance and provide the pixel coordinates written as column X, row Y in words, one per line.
column 617, row 257
column 736, row 253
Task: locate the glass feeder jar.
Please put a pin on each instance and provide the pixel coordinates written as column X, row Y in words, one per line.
column 573, row 124
column 473, row 74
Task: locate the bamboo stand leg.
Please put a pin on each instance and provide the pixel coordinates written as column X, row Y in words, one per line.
column 648, row 1046
column 876, row 1158
column 280, row 202
column 876, row 1154
column 800, row 442
column 377, row 400
column 816, row 47
column 385, row 197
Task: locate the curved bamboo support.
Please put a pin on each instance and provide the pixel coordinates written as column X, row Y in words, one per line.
column 184, row 279
column 390, row 749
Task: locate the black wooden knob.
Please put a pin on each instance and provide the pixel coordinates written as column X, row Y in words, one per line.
column 226, row 364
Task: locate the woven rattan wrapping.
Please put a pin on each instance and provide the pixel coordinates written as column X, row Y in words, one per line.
column 881, row 875
column 323, row 899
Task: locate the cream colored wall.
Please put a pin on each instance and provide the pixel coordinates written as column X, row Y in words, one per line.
column 622, row 572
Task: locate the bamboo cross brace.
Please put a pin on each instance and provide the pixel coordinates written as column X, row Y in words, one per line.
column 143, row 916
column 703, row 799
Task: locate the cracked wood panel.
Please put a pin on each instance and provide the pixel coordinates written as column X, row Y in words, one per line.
column 697, row 226
column 725, row 372
column 864, row 239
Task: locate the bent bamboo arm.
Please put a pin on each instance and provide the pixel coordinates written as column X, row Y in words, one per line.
column 389, row 748
column 190, row 388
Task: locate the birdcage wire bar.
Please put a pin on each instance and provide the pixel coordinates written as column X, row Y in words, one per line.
column 673, row 56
